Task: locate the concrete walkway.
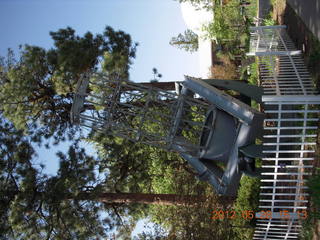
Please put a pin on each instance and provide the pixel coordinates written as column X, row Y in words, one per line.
column 264, row 8
column 309, row 12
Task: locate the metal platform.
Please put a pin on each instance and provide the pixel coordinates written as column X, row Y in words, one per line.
column 210, row 129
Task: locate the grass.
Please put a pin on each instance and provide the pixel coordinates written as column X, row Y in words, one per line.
column 310, row 224
column 247, row 199
column 251, row 10
column 253, row 77
column 313, row 60
column 314, row 187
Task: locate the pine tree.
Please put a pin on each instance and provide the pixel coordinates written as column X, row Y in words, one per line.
column 34, row 205
column 187, row 41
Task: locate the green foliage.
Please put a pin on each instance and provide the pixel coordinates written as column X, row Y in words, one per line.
column 253, row 77
column 34, row 205
column 191, row 222
column 119, row 53
column 154, row 233
column 230, row 27
column 228, row 23
column 269, row 21
column 247, row 199
column 15, row 155
column 314, row 186
column 273, row 2
column 307, row 230
column 128, row 164
column 250, row 11
column 187, row 41
column 314, row 57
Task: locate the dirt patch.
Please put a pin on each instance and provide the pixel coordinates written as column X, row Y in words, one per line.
column 278, row 11
column 224, row 68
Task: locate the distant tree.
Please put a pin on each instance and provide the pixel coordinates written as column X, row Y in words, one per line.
column 187, row 41
column 37, row 89
column 156, row 75
column 228, row 25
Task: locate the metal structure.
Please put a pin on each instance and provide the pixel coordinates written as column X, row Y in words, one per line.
column 290, row 127
column 207, row 127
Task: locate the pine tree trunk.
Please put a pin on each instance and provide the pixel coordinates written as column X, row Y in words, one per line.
column 161, row 85
column 159, row 199
column 148, row 198
column 142, row 198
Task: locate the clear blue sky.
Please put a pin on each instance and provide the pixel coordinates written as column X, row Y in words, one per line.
column 152, row 23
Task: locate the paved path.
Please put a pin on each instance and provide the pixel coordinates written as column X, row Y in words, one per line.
column 309, row 12
column 264, row 8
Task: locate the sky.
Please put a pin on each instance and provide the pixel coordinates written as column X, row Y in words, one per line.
column 151, row 23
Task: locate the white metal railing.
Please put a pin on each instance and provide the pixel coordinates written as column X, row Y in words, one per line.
column 290, row 104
